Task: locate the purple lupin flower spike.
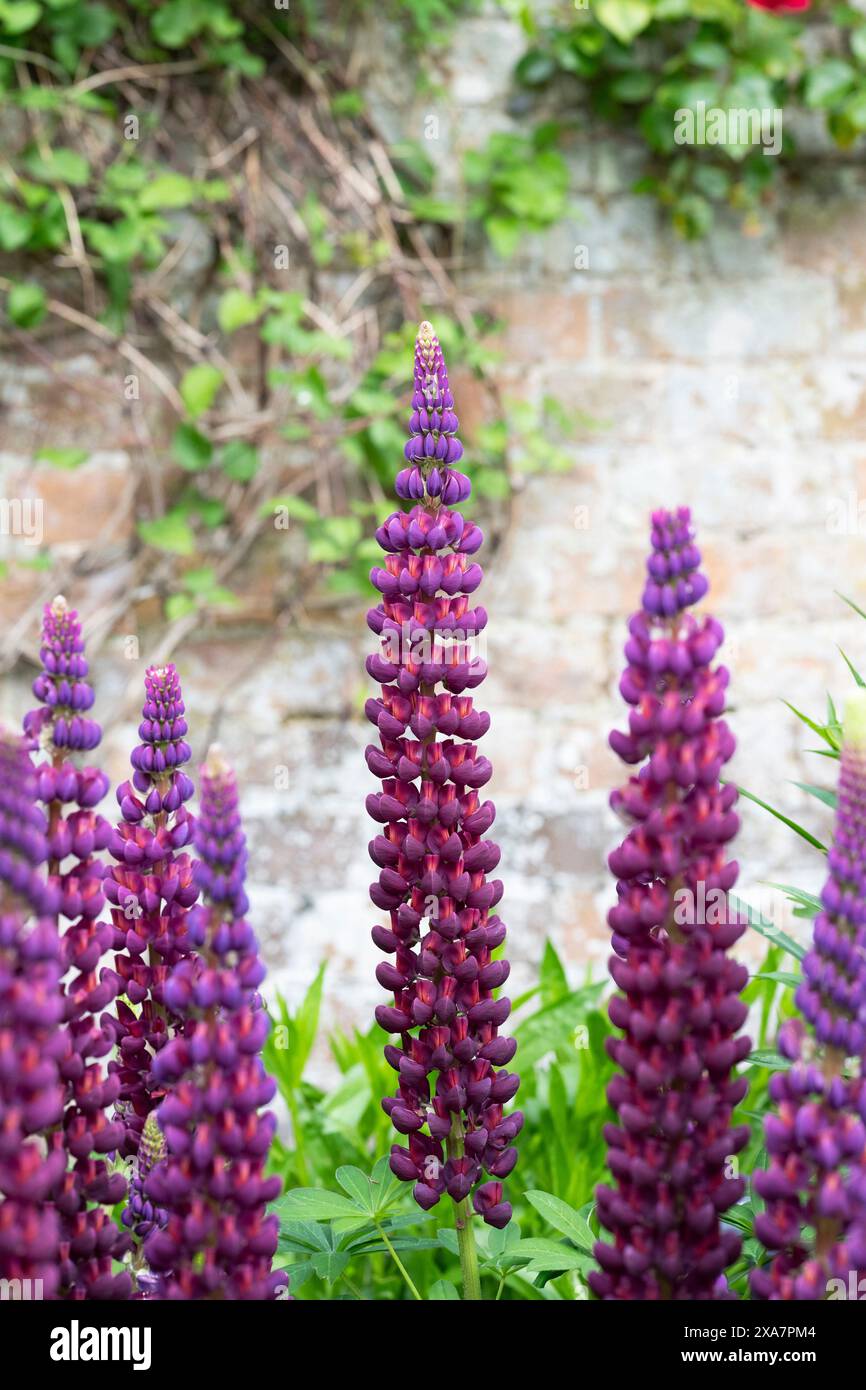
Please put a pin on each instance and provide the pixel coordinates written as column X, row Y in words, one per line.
column 33, row 1046
column 88, row 1189
column 816, row 1139
column 434, row 861
column 151, row 889
column 679, row 1007
column 217, row 1240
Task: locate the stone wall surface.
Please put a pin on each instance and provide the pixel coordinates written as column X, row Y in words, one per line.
column 729, row 375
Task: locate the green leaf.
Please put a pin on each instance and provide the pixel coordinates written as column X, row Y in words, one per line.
column 179, row 606
column 767, row 929
column 504, row 233
column 58, row 166
column 625, row 19
column 548, row 1256
column 563, row 1218
column 442, row 1291
column 178, row 21
column 333, row 538
column 819, row 793
column 331, row 1265
column 827, row 82
column 779, row 977
column 807, row 901
column 190, row 449
column 199, row 388
column 168, row 190
column 792, row 824
column 237, row 309
column 852, row 668
column 63, row 458
column 315, row 1204
column 171, row 532
column 552, row 978
column 239, row 460
column 18, row 17
column 16, row 227
column 771, row 1060
column 355, row 1182
column 293, row 506
column 25, row 304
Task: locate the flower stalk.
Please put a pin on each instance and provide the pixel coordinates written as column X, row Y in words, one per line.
column 433, row 860
column 672, row 1154
column 816, row 1138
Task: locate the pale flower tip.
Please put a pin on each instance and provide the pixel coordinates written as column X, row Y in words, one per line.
column 854, row 721
column 216, row 764
column 59, row 605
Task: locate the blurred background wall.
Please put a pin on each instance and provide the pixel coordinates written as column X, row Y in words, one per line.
column 726, row 373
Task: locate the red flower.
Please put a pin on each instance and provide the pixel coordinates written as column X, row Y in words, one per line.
column 782, row 5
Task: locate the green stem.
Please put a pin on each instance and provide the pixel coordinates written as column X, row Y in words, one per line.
column 298, row 1136
column 399, row 1263
column 465, row 1233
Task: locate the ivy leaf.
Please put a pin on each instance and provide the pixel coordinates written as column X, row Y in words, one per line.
column 240, row 460
column 199, row 388
column 178, row 21
column 19, row 17
column 178, row 606
column 171, row 532
column 828, row 82
column 16, row 227
column 236, row 310
column 625, row 19
column 168, row 190
column 63, row 458
column 26, row 304
column 190, row 449
column 58, row 166
column 504, row 234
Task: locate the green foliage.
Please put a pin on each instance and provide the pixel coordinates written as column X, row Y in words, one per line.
column 350, row 1230
column 519, row 184
column 638, row 63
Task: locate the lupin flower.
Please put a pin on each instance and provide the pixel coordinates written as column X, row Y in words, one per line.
column 33, row 1046
column 140, row 1214
column 816, row 1139
column 59, row 729
column 679, row 1007
column 217, row 1239
column 433, row 859
column 151, row 889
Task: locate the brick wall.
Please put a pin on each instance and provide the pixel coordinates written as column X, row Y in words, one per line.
column 729, row 375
